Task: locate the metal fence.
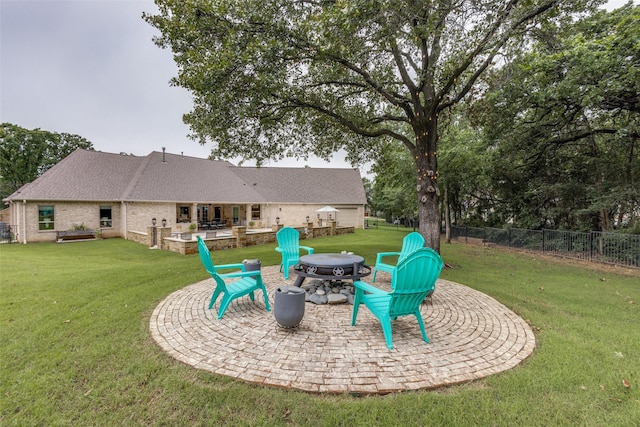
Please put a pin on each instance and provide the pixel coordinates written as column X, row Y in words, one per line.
column 6, row 233
column 609, row 248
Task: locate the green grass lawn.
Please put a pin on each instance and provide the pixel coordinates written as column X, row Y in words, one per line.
column 75, row 347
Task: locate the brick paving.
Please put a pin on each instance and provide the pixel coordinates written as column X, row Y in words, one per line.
column 472, row 336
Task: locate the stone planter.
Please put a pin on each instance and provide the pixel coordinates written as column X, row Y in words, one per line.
column 288, row 307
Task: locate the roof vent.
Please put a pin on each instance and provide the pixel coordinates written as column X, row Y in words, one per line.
column 163, row 158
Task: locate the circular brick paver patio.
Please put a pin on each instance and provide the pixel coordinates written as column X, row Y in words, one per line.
column 472, row 336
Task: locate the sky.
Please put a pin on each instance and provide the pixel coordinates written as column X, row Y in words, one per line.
column 89, row 67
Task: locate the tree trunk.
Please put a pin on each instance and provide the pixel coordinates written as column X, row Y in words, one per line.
column 427, row 181
column 604, row 220
column 447, row 217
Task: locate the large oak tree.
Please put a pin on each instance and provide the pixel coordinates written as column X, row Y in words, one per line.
column 274, row 78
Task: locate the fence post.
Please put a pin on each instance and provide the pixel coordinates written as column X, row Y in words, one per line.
column 543, row 236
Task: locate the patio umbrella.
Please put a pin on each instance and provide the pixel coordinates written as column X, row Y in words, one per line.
column 328, row 209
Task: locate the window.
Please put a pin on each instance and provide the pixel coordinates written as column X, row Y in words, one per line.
column 45, row 218
column 255, row 211
column 185, row 214
column 203, row 214
column 105, row 216
column 235, row 215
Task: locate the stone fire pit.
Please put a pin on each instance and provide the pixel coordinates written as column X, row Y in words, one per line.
column 329, row 292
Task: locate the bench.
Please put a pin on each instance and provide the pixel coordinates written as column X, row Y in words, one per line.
column 72, row 235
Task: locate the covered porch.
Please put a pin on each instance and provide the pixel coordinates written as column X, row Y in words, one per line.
column 217, row 216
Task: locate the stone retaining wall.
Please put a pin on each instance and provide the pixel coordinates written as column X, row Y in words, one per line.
column 139, row 237
column 239, row 237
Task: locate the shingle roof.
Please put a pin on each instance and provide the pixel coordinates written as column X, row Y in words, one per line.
column 96, row 176
column 83, row 175
column 306, row 185
column 169, row 177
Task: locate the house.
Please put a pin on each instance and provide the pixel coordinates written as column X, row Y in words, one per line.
column 120, row 194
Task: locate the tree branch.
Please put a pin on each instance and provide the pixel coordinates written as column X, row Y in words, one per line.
column 482, row 46
column 296, row 103
column 394, row 98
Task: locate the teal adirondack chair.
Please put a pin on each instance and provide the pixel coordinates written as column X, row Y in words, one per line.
column 410, row 243
column 289, row 246
column 414, row 277
column 248, row 281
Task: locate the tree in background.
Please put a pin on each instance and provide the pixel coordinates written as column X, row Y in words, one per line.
column 367, row 184
column 468, row 195
column 564, row 123
column 274, row 78
column 27, row 154
column 465, row 165
column 394, row 189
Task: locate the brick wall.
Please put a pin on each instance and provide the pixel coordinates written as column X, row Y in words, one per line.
column 137, row 217
column 68, row 215
column 240, row 238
